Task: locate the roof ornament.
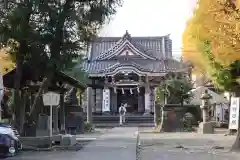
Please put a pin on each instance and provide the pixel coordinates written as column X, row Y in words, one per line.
column 127, row 35
column 131, row 91
column 138, row 90
column 115, row 90
column 122, row 91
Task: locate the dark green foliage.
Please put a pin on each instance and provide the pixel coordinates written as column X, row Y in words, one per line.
column 76, row 72
column 49, row 34
column 52, row 32
column 88, row 127
column 176, row 90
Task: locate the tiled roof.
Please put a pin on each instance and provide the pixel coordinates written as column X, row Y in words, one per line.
column 126, row 41
column 149, row 56
column 151, row 46
column 145, row 65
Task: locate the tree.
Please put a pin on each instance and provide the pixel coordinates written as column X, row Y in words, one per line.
column 17, row 35
column 173, row 91
column 48, row 34
column 176, row 91
column 6, row 63
column 65, row 28
column 214, row 31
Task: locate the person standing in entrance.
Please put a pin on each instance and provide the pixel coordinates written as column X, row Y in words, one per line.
column 122, row 112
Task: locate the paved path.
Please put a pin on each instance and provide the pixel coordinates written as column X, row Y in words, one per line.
column 116, row 143
column 120, row 143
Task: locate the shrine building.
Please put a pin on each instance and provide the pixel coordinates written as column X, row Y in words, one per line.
column 127, row 70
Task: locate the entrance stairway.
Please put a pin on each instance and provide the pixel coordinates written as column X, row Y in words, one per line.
column 102, row 121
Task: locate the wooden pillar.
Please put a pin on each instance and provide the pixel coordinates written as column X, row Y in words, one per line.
column 140, row 101
column 94, row 100
column 101, row 99
column 156, row 109
column 147, row 101
column 147, row 97
column 113, row 102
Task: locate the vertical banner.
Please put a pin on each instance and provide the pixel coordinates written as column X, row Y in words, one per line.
column 234, row 113
column 106, row 100
column 147, row 102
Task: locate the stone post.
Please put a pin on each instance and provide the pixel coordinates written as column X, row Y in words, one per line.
column 62, row 113
column 89, row 105
column 55, row 117
column 205, row 127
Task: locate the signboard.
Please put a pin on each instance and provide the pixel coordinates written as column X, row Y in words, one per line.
column 234, row 113
column 106, row 100
column 51, row 99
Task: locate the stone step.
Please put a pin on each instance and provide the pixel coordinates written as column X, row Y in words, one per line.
column 127, row 120
column 112, row 119
column 110, row 125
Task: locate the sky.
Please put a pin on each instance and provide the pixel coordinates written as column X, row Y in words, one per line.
column 151, row 18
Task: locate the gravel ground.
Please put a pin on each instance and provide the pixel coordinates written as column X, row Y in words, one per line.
column 186, row 146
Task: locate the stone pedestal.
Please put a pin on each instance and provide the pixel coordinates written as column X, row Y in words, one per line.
column 68, row 140
column 171, row 120
column 206, row 128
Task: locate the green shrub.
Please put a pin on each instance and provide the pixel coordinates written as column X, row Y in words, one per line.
column 88, row 127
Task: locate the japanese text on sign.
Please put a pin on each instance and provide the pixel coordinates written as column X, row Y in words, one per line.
column 106, row 100
column 234, row 113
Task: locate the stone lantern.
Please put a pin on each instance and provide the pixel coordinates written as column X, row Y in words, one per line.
column 205, row 127
column 205, row 105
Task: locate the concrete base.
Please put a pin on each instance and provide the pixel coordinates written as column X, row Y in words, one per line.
column 68, row 140
column 39, row 142
column 42, row 132
column 206, row 128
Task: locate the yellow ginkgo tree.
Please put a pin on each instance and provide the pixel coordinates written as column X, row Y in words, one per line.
column 211, row 41
column 6, row 63
column 214, row 33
